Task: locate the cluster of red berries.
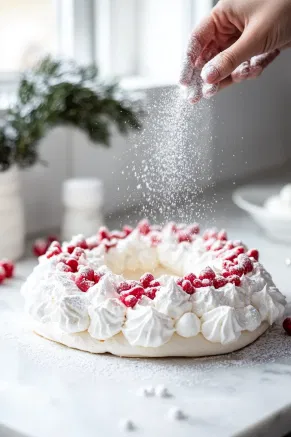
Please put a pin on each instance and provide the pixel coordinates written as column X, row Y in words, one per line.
column 232, row 273
column 41, row 245
column 287, row 325
column 6, row 270
column 130, row 292
column 226, row 249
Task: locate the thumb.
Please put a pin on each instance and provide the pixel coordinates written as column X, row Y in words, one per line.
column 227, row 61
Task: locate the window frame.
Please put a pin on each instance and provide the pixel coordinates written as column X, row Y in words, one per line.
column 87, row 28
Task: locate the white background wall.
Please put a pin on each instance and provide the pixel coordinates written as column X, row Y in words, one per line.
column 251, row 132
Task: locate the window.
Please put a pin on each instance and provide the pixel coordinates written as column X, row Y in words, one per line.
column 124, row 37
column 145, row 37
column 27, row 29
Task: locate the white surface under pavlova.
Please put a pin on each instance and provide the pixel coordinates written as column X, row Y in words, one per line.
column 210, row 295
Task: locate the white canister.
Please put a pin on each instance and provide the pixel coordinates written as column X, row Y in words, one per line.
column 83, row 203
column 12, row 228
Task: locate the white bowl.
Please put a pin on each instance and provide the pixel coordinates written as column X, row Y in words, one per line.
column 251, row 198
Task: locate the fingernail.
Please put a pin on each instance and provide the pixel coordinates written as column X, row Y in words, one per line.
column 210, row 73
column 209, row 90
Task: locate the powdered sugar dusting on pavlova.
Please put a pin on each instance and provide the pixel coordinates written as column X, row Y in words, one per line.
column 212, row 287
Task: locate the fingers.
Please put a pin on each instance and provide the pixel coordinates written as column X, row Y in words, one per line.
column 199, row 39
column 227, row 61
column 259, row 63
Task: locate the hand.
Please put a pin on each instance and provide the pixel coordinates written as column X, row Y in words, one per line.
column 236, row 42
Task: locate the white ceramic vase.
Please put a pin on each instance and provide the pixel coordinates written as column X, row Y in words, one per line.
column 12, row 227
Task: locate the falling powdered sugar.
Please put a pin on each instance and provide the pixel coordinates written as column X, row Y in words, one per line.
column 171, row 160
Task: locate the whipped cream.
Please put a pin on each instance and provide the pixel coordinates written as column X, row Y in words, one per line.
column 104, row 290
column 172, row 300
column 71, row 313
column 147, row 327
column 106, row 319
column 268, row 304
column 221, row 325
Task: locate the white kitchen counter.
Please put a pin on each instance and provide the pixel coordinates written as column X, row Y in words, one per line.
column 49, row 390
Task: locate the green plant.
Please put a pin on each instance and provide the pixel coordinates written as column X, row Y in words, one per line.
column 63, row 93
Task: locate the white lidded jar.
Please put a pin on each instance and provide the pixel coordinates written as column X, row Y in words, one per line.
column 83, row 203
column 12, row 228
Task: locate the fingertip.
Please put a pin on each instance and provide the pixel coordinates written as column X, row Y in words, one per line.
column 209, row 90
column 210, row 74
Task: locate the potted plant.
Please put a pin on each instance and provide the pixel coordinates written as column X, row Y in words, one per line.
column 55, row 92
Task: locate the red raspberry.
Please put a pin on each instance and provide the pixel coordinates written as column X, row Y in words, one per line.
column 78, row 252
column 287, row 325
column 227, row 264
column 103, row 233
column 2, row 274
column 146, row 279
column 72, row 263
column 127, row 230
column 62, row 267
column 184, row 236
column 144, row 227
column 239, row 250
column 236, row 270
column 53, row 252
column 83, row 284
column 70, row 248
column 191, row 277
column 207, row 273
column 229, row 245
column 137, row 291
column 97, row 277
column 253, row 253
column 155, row 284
column 209, row 243
column 206, row 282
column 188, row 287
column 179, row 281
column 245, row 263
column 234, row 279
column 225, row 273
column 193, row 229
column 124, row 286
column 39, row 247
column 8, row 266
column 219, row 282
column 222, row 235
column 197, row 283
column 151, row 292
column 129, row 301
column 86, row 273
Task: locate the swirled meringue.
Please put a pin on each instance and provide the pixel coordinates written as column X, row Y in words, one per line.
column 268, row 305
column 71, row 313
column 172, row 300
column 249, row 318
column 188, row 325
column 105, row 289
column 232, row 296
column 107, row 319
column 221, row 325
column 147, row 327
column 204, row 300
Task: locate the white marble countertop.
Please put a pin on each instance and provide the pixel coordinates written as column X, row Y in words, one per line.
column 49, row 390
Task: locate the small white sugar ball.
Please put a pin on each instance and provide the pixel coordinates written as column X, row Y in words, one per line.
column 188, row 325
